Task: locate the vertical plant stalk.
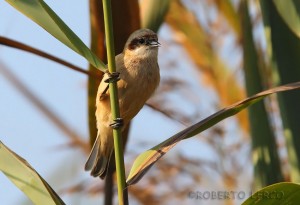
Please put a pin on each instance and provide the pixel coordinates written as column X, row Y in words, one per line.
column 266, row 161
column 115, row 111
column 283, row 52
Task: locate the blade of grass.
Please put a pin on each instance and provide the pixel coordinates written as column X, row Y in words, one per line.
column 43, row 15
column 147, row 159
column 26, row 178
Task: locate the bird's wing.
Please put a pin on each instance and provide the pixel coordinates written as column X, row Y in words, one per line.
column 103, row 87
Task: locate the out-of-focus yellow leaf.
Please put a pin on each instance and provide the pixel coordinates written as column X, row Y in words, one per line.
column 227, row 9
column 196, row 41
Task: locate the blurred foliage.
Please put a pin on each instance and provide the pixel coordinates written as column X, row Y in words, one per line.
column 198, row 42
column 213, row 34
column 285, row 46
column 264, row 149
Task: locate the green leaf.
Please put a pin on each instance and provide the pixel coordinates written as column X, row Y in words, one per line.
column 290, row 12
column 276, row 194
column 267, row 169
column 26, row 178
column 145, row 160
column 43, row 15
column 283, row 53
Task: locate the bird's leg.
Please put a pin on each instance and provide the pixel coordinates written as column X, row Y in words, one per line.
column 114, row 77
column 103, row 93
column 117, row 123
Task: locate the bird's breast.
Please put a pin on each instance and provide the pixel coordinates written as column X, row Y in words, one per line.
column 140, row 79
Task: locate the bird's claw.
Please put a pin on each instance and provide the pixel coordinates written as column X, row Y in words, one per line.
column 112, row 77
column 117, row 123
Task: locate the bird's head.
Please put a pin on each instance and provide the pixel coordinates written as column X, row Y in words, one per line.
column 142, row 43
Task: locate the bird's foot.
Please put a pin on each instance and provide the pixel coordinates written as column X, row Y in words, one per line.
column 112, row 77
column 117, row 123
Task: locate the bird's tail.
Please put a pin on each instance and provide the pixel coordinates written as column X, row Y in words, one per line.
column 100, row 155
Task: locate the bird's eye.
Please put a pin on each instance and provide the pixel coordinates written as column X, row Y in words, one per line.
column 141, row 41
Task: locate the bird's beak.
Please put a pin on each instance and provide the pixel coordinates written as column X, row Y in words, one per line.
column 154, row 44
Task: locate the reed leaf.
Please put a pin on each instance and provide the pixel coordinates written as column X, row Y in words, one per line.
column 148, row 158
column 43, row 15
column 26, row 178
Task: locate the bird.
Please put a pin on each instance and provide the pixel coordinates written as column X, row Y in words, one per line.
column 139, row 77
